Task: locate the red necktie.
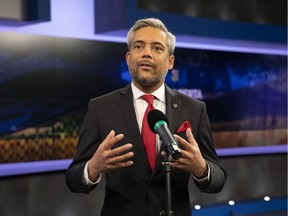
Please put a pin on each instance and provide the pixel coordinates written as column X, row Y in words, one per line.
column 148, row 137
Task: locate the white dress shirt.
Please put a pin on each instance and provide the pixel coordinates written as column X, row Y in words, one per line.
column 140, row 106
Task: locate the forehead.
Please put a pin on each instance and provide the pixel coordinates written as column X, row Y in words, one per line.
column 150, row 35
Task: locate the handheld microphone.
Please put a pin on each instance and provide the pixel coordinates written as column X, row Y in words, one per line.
column 158, row 123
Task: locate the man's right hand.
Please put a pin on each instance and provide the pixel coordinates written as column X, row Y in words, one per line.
column 106, row 159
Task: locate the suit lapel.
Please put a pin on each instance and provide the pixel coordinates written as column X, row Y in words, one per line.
column 173, row 105
column 127, row 108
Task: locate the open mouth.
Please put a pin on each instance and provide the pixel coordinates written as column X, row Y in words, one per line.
column 146, row 65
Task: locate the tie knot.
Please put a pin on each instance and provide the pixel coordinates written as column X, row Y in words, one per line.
column 148, row 98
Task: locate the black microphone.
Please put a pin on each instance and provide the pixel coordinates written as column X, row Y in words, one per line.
column 158, row 123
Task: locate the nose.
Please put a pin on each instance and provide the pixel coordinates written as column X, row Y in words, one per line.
column 147, row 52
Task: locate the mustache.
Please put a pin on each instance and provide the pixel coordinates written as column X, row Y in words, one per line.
column 145, row 62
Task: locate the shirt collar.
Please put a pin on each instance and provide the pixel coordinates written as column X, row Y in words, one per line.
column 159, row 93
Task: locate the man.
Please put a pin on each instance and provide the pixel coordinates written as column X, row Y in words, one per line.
column 110, row 139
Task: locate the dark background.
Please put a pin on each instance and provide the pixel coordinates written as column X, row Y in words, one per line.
column 256, row 11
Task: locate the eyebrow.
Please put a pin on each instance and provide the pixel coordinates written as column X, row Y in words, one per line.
column 143, row 42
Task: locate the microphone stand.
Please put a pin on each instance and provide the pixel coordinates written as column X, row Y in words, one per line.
column 168, row 169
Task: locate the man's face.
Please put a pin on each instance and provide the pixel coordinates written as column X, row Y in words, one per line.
column 148, row 59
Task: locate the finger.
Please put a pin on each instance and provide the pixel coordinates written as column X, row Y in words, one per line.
column 111, row 139
column 118, row 165
column 183, row 143
column 170, row 159
column 181, row 162
column 119, row 150
column 107, row 138
column 121, row 158
column 190, row 137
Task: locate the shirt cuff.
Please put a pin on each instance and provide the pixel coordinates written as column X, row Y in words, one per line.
column 86, row 180
column 206, row 177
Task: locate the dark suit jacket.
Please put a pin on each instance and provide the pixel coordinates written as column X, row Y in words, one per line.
column 135, row 190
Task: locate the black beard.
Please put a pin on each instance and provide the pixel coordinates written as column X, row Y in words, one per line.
column 146, row 81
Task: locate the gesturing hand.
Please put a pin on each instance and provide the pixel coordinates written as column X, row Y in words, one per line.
column 191, row 159
column 106, row 159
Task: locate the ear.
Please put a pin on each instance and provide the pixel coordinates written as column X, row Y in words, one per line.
column 127, row 57
column 171, row 62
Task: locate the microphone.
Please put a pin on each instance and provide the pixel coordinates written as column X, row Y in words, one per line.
column 158, row 123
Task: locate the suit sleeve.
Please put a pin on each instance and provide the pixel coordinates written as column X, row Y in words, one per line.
column 89, row 140
column 205, row 142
